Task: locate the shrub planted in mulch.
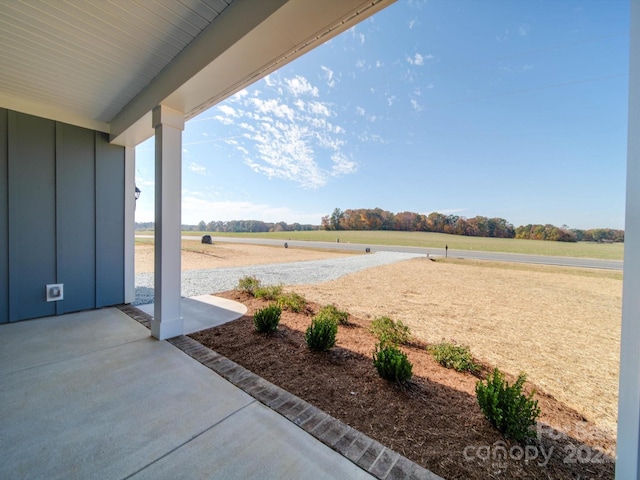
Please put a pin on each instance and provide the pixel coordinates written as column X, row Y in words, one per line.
column 266, row 319
column 391, row 363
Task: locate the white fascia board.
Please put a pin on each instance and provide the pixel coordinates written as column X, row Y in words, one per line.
column 51, row 112
column 246, row 42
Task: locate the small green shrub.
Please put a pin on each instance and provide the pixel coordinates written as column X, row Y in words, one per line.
column 321, row 334
column 331, row 311
column 249, row 284
column 390, row 332
column 266, row 319
column 270, row 292
column 391, row 363
column 292, row 301
column 509, row 410
column 452, row 355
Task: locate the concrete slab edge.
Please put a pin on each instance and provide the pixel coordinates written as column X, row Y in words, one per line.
column 370, row 455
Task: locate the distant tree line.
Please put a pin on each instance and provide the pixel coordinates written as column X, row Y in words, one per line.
column 145, row 226
column 251, row 226
column 240, row 226
column 378, row 219
column 599, row 235
column 566, row 234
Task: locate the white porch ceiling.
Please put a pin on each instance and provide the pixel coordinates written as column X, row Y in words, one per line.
column 105, row 64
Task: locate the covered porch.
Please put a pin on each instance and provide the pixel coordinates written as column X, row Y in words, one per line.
column 92, row 395
column 106, row 76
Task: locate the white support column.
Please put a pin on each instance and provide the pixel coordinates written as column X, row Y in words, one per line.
column 168, row 124
column 628, row 449
column 129, row 224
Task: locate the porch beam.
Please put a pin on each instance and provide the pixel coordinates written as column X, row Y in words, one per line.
column 168, row 125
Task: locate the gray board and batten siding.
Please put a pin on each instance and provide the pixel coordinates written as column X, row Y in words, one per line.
column 61, row 217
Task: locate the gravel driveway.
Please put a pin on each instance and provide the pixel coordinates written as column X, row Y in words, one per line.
column 202, row 282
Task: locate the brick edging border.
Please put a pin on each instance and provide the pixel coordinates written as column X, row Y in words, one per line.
column 367, row 453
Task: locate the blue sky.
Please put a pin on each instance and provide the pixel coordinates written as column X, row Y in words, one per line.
column 513, row 109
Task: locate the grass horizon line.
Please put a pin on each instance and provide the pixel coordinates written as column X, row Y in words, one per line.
column 602, row 251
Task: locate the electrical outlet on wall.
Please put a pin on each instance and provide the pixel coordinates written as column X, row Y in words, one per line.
column 55, row 292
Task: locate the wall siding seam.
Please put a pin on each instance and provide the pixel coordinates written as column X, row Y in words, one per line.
column 59, row 166
column 11, row 153
column 95, row 216
column 4, row 318
column 123, row 217
column 95, row 219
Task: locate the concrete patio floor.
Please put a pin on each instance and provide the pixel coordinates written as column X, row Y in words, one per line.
column 204, row 311
column 92, row 395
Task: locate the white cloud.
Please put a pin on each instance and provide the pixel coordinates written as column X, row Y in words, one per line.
column 360, row 63
column 342, row 165
column 391, row 99
column 273, row 107
column 412, row 24
column 197, row 168
column 360, row 111
column 418, row 59
column 450, row 211
column 223, row 120
column 357, row 35
column 319, row 109
column 328, row 75
column 299, row 85
column 228, row 111
column 415, row 105
column 379, row 64
column 504, row 37
column 523, row 30
column 370, row 137
column 280, row 135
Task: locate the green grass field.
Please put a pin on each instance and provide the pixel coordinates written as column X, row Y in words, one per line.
column 605, row 251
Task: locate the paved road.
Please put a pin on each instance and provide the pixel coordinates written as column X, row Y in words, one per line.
column 468, row 254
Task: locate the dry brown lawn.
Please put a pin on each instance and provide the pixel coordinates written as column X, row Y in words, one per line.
column 559, row 325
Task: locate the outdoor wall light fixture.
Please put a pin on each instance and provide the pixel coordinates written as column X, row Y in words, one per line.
column 138, row 192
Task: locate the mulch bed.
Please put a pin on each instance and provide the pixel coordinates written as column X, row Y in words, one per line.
column 435, row 421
